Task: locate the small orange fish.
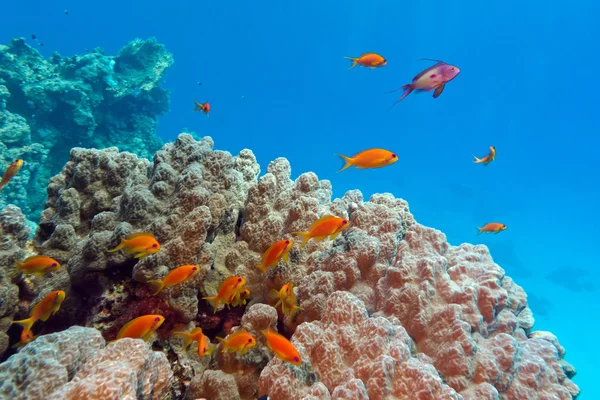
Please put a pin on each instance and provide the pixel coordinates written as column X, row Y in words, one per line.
column 494, row 227
column 205, row 347
column 283, row 348
column 205, row 108
column 10, row 172
column 142, row 244
column 487, row 159
column 327, row 225
column 372, row 158
column 37, row 265
column 244, row 294
column 371, row 60
column 229, row 291
column 239, row 342
column 287, row 299
column 174, row 277
column 141, row 327
column 43, row 310
column 277, row 251
column 26, row 337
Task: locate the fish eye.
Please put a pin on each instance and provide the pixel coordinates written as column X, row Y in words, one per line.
column 296, row 359
column 157, row 319
column 250, row 340
column 344, row 222
column 287, row 242
column 394, row 156
column 54, row 264
column 195, row 268
column 452, row 68
column 239, row 279
column 155, row 245
column 204, row 350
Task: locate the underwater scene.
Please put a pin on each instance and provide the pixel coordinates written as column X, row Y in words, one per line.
column 299, row 200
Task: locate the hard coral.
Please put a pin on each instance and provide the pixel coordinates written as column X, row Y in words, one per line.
column 91, row 100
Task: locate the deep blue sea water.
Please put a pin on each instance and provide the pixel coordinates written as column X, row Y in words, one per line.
column 528, row 86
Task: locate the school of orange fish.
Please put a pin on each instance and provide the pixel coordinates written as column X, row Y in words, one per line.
column 232, row 291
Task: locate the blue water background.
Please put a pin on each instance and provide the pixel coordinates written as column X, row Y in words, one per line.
column 528, row 86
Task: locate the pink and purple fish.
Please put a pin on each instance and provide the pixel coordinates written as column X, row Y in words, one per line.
column 433, row 78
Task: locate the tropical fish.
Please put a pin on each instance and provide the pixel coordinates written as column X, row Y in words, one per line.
column 371, row 60
column 205, row 348
column 141, row 327
column 487, row 159
column 239, row 342
column 372, row 158
column 37, row 265
column 244, row 294
column 142, row 244
column 229, row 291
column 494, row 227
column 43, row 310
column 287, row 299
column 327, row 225
column 283, row 348
column 205, row 108
column 26, row 337
column 10, row 172
column 174, row 277
column 433, row 78
column 277, row 251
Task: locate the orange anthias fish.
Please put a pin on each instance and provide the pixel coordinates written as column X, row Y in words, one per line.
column 43, row 310
column 229, row 291
column 26, row 337
column 283, row 348
column 174, row 277
column 239, row 342
column 37, row 265
column 205, row 108
column 141, row 327
column 277, row 251
column 10, row 172
column 142, row 244
column 487, row 159
column 372, row 158
column 287, row 299
column 205, row 347
column 244, row 294
column 494, row 227
column 327, row 225
column 371, row 60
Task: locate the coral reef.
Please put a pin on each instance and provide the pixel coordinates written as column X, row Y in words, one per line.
column 391, row 310
column 91, row 100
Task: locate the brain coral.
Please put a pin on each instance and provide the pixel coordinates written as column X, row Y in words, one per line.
column 91, row 100
column 391, row 310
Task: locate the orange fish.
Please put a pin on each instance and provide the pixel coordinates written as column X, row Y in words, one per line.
column 142, row 244
column 372, row 158
column 276, row 252
column 229, row 291
column 371, row 60
column 37, row 265
column 283, row 348
column 327, row 225
column 141, row 327
column 205, row 108
column 174, row 277
column 43, row 310
column 287, row 299
column 205, row 347
column 26, row 337
column 10, row 172
column 244, row 294
column 239, row 342
column 487, row 159
column 491, row 227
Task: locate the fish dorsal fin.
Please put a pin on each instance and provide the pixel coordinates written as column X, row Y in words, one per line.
column 196, row 331
column 38, row 257
column 138, row 234
column 431, row 59
column 240, row 332
column 322, row 219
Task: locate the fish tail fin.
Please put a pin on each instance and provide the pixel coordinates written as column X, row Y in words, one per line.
column 199, row 107
column 210, row 348
column 477, row 160
column 156, row 285
column 1, row 186
column 305, row 237
column 480, row 231
column 119, row 247
column 407, row 89
column 295, row 309
column 262, row 267
column 187, row 338
column 25, row 323
column 221, row 340
column 19, row 267
column 354, row 61
column 213, row 302
column 349, row 161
